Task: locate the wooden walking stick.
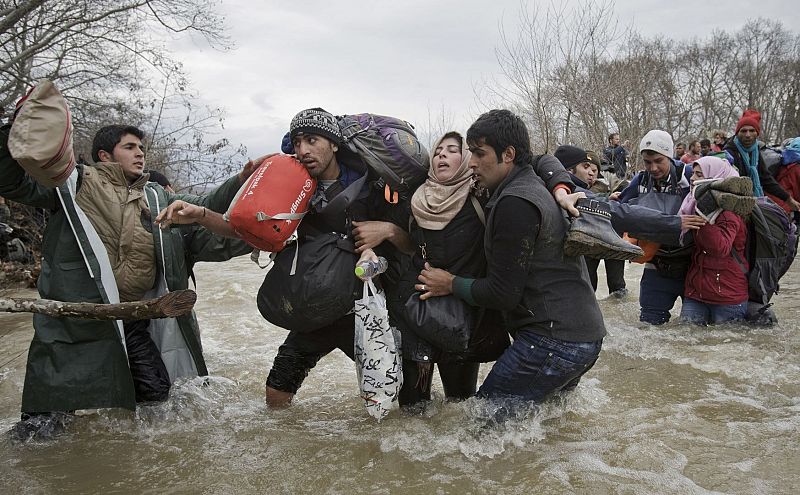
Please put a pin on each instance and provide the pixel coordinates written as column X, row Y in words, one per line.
column 170, row 304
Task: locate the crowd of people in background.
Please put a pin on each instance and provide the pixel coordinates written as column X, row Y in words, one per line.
column 701, row 267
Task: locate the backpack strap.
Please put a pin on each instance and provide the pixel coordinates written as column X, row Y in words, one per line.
column 478, row 209
column 344, row 198
column 739, row 261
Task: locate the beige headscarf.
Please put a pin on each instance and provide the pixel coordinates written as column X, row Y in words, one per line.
column 437, row 202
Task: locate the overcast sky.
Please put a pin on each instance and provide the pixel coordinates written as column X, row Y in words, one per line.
column 406, row 59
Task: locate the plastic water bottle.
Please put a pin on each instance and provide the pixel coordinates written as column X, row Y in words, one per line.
column 369, row 268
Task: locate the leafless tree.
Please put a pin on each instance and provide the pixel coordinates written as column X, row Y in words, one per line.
column 110, row 59
column 576, row 75
column 440, row 122
column 548, row 71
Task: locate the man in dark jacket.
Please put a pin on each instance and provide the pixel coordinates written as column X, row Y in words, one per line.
column 528, row 277
column 363, row 219
column 582, row 171
column 367, row 220
column 748, row 159
column 616, row 154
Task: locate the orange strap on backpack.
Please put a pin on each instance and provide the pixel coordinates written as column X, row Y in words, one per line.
column 391, row 196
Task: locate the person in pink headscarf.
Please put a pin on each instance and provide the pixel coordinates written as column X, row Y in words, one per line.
column 716, row 285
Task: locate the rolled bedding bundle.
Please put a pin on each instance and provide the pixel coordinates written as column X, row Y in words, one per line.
column 40, row 139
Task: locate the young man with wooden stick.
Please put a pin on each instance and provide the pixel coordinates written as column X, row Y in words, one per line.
column 102, row 246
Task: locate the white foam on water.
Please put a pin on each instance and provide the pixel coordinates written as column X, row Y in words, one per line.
column 468, row 427
column 664, row 480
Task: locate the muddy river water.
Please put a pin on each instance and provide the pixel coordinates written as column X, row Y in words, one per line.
column 677, row 409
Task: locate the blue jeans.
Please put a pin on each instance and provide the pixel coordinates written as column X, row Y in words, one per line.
column 534, row 367
column 701, row 313
column 657, row 295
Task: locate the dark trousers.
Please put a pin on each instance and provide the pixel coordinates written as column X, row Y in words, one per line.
column 615, row 273
column 150, row 377
column 300, row 352
column 535, row 367
column 459, row 379
column 657, row 296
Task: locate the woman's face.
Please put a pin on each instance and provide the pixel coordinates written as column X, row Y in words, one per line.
column 697, row 173
column 446, row 159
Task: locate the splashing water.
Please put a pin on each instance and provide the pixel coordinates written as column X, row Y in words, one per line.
column 675, row 409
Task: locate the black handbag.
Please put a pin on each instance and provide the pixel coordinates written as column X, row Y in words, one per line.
column 319, row 290
column 446, row 322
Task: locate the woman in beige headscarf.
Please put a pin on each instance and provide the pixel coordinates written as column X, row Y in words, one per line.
column 447, row 232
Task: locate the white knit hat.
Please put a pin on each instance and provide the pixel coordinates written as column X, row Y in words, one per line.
column 658, row 142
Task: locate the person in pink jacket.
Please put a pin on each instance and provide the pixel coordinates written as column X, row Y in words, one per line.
column 716, row 285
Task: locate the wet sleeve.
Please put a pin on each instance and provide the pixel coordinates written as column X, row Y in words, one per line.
column 516, row 226
column 645, row 223
column 217, row 200
column 204, row 245
column 550, row 170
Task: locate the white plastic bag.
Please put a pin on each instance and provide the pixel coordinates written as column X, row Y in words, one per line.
column 378, row 353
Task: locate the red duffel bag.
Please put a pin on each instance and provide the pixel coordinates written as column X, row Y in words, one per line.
column 269, row 206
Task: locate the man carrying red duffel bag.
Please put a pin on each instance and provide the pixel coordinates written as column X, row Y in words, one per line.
column 310, row 289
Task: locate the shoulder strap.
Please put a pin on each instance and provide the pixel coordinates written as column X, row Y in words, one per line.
column 738, row 261
column 478, row 209
column 344, row 198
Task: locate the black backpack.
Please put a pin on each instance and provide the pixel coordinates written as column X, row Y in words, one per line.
column 311, row 285
column 771, row 249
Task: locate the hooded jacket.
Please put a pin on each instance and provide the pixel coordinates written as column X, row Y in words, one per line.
column 715, row 277
column 82, row 364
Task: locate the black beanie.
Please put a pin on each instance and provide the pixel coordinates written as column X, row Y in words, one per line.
column 316, row 121
column 570, row 156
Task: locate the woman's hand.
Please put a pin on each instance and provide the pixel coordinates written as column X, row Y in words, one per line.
column 435, row 282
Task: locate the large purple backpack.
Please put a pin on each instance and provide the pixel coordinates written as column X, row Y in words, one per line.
column 387, row 146
column 771, row 249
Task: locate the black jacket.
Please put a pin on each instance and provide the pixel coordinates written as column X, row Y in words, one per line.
column 554, row 284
